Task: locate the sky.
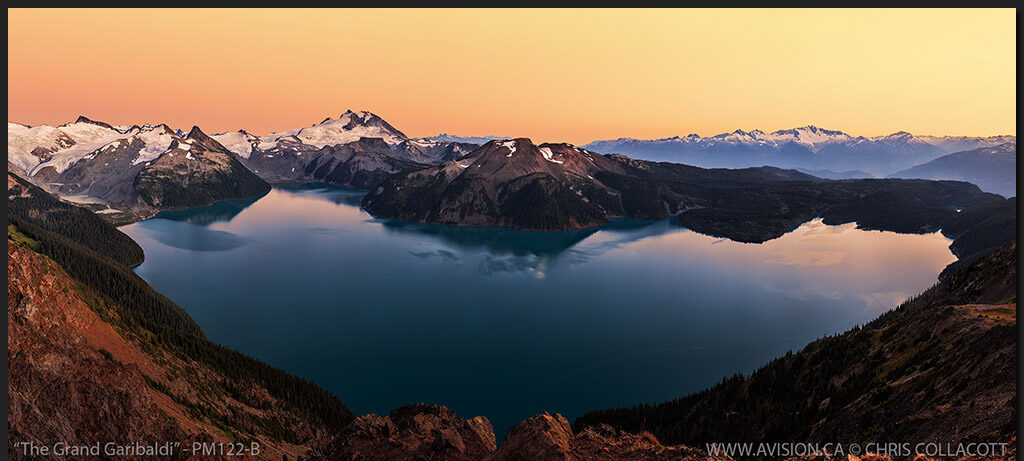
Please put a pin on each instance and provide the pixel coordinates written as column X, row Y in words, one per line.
column 548, row 74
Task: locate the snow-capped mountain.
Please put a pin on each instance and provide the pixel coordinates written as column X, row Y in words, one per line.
column 195, row 170
column 240, row 142
column 28, row 146
column 347, row 128
column 806, row 147
column 357, row 149
column 155, row 168
column 302, row 153
column 109, row 171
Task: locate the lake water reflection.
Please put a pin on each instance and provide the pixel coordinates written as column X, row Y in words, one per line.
column 504, row 323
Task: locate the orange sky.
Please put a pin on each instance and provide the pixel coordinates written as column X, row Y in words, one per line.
column 553, row 75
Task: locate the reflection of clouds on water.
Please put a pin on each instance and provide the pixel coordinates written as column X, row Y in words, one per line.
column 443, row 254
column 592, row 245
column 619, row 234
column 326, row 230
column 497, row 240
column 805, row 258
column 491, row 265
column 578, row 244
column 797, row 289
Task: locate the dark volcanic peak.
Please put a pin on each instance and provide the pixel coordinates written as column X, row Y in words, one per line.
column 520, row 156
column 196, row 133
column 84, row 119
column 508, row 182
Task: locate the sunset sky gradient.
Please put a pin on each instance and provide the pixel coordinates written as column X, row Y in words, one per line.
column 552, row 75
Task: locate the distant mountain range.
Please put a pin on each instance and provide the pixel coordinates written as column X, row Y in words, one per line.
column 808, row 147
column 993, row 169
column 119, row 164
column 444, row 137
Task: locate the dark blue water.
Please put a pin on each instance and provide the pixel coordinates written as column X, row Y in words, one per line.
column 504, row 323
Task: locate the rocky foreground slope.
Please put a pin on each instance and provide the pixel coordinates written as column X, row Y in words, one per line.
column 435, row 432
column 96, row 355
column 77, row 375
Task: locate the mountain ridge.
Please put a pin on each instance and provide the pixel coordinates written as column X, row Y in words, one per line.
column 91, row 157
column 994, row 169
column 514, row 183
column 807, row 147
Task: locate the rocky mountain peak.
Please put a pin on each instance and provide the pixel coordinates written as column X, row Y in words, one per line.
column 164, row 129
column 899, row 135
column 374, row 144
column 197, row 134
column 84, row 119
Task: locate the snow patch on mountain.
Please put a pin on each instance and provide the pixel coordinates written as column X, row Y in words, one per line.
column 510, row 145
column 347, row 128
column 239, row 142
column 549, row 156
column 60, row 146
column 157, row 141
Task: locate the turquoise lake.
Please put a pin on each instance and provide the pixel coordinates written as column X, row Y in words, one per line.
column 507, row 324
